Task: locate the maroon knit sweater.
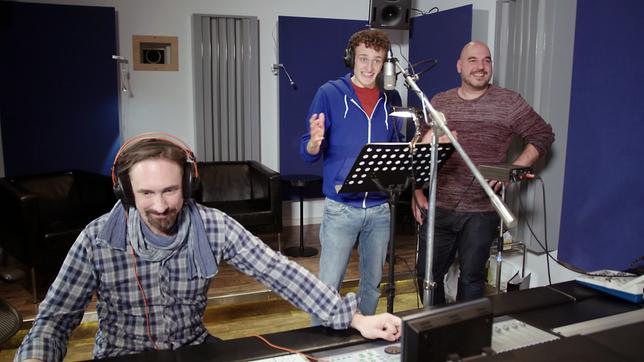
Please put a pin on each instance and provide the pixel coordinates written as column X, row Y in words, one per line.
column 485, row 127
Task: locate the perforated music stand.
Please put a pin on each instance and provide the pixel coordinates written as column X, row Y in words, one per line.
column 389, row 168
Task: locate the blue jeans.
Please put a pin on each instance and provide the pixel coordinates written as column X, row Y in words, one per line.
column 341, row 226
column 470, row 234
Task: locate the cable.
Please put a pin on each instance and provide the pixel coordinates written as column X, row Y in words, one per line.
column 276, row 65
column 636, row 261
column 421, row 12
column 125, row 91
column 416, row 75
column 409, row 64
column 414, row 203
column 307, row 356
column 275, row 46
column 545, row 230
column 464, row 193
column 545, row 226
column 145, row 300
column 545, row 248
column 413, row 274
column 417, row 234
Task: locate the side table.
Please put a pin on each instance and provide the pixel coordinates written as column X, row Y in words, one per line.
column 299, row 182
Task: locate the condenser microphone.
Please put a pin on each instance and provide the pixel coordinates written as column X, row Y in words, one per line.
column 390, row 71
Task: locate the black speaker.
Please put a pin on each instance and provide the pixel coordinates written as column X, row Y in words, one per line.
column 389, row 14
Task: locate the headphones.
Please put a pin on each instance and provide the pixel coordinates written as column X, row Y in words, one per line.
column 348, row 56
column 349, row 53
column 121, row 183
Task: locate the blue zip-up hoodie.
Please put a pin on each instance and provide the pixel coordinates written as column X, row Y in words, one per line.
column 347, row 128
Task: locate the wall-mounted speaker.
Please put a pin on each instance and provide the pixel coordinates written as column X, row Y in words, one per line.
column 389, row 14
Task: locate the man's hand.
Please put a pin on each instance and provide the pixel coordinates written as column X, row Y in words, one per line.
column 495, row 185
column 384, row 326
column 316, row 126
column 427, row 137
column 418, row 204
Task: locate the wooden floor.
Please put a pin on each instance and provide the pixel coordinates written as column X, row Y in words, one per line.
column 238, row 305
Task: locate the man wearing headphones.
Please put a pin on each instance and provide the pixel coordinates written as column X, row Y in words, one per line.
column 346, row 114
column 150, row 261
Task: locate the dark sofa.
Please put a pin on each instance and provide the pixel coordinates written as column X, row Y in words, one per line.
column 43, row 214
column 246, row 190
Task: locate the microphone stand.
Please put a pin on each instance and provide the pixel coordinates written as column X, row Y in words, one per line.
column 439, row 124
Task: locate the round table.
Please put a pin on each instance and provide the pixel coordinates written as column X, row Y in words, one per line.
column 299, row 182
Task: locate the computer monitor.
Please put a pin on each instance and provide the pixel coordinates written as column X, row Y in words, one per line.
column 431, row 335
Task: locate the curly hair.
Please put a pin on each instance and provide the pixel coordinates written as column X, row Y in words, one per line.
column 371, row 38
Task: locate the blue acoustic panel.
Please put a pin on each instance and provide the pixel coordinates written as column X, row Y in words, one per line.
column 59, row 94
column 439, row 36
column 602, row 218
column 311, row 49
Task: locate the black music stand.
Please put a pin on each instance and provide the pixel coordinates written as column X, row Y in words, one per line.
column 389, row 168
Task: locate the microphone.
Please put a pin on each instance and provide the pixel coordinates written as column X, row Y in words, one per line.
column 390, row 71
column 276, row 68
column 290, row 80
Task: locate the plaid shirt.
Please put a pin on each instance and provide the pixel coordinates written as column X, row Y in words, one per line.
column 176, row 301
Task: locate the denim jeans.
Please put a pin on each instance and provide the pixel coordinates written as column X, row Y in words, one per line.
column 341, row 226
column 470, row 234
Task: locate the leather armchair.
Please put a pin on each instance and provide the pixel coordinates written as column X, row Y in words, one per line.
column 41, row 216
column 246, row 190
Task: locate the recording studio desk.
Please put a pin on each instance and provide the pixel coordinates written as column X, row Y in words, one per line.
column 547, row 308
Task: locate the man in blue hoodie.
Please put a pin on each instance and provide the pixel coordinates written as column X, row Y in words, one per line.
column 346, row 114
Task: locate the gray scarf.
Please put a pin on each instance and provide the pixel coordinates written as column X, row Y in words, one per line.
column 190, row 230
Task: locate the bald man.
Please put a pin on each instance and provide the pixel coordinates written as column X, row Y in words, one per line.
column 485, row 117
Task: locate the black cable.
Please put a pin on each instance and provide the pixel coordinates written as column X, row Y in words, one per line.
column 395, row 121
column 416, row 285
column 434, row 63
column 464, row 193
column 421, row 12
column 414, row 203
column 545, row 248
column 545, row 226
column 636, row 261
column 415, row 279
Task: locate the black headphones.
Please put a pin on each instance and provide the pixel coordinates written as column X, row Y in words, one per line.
column 349, row 51
column 348, row 55
column 121, row 183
